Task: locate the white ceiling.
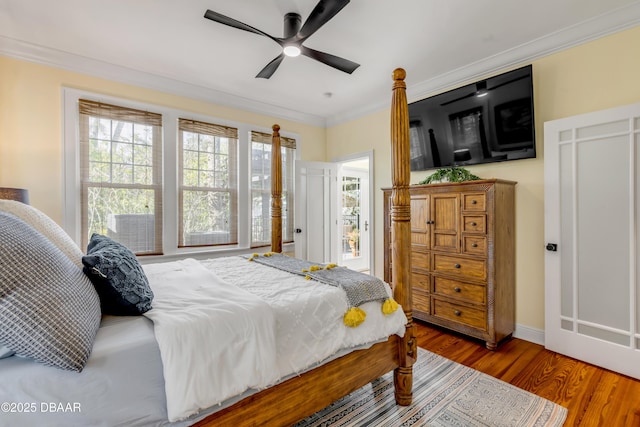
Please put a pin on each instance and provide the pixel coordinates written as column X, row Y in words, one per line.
column 169, row 45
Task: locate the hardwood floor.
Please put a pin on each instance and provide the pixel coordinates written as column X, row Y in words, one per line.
column 593, row 396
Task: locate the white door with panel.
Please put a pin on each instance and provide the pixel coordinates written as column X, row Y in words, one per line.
column 592, row 222
column 316, row 212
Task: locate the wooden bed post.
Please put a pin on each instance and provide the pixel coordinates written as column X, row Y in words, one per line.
column 401, row 234
column 276, row 191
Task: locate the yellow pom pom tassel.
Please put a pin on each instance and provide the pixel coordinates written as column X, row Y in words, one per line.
column 330, row 266
column 307, row 277
column 354, row 317
column 389, row 306
column 315, row 268
column 304, row 270
column 268, row 253
column 251, row 259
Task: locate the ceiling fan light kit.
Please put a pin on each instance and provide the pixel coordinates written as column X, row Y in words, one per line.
column 295, row 34
column 291, row 50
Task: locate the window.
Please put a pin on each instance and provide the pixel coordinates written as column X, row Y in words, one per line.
column 121, row 175
column 208, row 195
column 261, row 188
column 167, row 182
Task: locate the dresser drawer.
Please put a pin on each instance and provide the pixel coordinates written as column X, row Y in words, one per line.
column 464, row 267
column 474, row 245
column 421, row 301
column 474, row 223
column 459, row 313
column 460, row 290
column 420, row 281
column 474, row 202
column 420, row 261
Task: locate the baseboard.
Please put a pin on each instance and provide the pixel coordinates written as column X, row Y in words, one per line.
column 530, row 334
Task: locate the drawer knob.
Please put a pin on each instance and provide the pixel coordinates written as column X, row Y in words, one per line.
column 473, row 224
column 456, row 265
column 474, row 245
column 457, row 312
column 474, row 202
column 457, row 289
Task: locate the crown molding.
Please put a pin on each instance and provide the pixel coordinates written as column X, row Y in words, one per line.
column 617, row 20
column 76, row 63
column 606, row 24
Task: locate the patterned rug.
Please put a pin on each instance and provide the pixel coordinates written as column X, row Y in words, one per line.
column 445, row 393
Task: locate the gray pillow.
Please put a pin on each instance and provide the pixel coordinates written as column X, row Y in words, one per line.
column 48, row 309
column 117, row 276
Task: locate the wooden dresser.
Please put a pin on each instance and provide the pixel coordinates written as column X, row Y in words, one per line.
column 462, row 256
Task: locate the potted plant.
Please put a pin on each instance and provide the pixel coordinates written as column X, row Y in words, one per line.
column 450, row 174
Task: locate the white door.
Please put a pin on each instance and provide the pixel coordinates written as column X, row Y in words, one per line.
column 316, row 212
column 355, row 222
column 592, row 215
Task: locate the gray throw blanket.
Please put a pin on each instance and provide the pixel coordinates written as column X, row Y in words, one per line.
column 359, row 287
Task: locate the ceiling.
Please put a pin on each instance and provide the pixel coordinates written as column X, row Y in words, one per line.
column 169, row 45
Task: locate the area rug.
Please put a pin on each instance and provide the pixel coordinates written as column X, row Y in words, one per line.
column 445, row 393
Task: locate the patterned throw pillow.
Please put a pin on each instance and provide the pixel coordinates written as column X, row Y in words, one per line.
column 48, row 309
column 46, row 226
column 117, row 276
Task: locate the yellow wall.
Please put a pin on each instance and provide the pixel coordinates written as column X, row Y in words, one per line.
column 31, row 125
column 594, row 76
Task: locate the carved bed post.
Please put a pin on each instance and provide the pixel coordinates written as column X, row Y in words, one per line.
column 276, row 191
column 401, row 234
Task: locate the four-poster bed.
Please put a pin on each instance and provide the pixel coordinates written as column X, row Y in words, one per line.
column 127, row 347
column 292, row 400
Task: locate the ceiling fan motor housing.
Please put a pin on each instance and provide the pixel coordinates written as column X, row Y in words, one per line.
column 292, row 24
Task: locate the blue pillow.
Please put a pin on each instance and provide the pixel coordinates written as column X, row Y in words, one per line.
column 117, row 276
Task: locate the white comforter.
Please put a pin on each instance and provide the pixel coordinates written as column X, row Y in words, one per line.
column 216, row 340
column 302, row 321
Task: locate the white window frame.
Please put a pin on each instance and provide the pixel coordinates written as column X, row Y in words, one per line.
column 71, row 202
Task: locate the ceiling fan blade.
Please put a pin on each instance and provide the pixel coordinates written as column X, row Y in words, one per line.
column 320, row 15
column 271, row 67
column 330, row 60
column 222, row 19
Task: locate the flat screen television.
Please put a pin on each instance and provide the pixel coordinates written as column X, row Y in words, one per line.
column 487, row 121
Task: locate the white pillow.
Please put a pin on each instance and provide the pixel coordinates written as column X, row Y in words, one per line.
column 45, row 225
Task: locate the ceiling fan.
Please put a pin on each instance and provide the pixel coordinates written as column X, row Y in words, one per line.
column 295, row 35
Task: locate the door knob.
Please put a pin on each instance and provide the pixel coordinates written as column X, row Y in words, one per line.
column 298, row 230
column 552, row 247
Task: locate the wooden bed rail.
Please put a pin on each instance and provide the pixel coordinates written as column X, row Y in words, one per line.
column 401, row 234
